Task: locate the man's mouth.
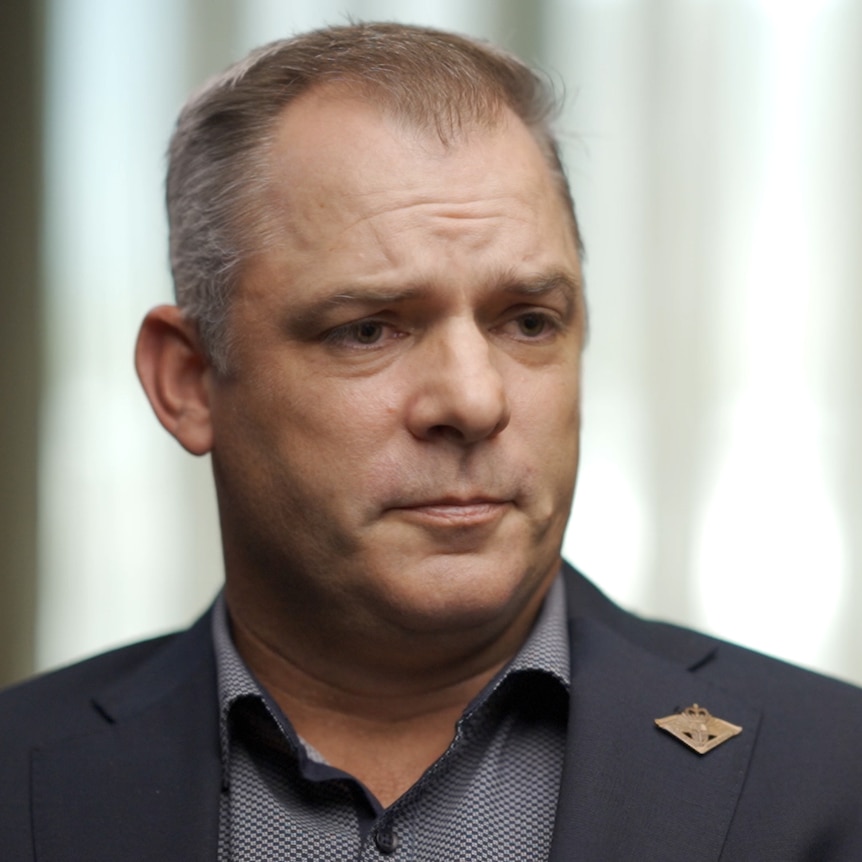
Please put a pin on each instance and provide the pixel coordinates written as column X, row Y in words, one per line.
column 456, row 512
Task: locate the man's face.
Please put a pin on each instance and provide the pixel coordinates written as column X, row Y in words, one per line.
column 398, row 441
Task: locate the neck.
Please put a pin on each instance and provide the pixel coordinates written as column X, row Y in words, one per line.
column 382, row 713
column 385, row 735
column 309, row 640
column 387, row 682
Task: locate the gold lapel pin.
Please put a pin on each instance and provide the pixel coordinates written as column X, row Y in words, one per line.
column 698, row 729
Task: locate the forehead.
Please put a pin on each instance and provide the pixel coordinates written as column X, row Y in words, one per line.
column 356, row 192
column 328, row 140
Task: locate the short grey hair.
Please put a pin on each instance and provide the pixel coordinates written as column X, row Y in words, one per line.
column 218, row 156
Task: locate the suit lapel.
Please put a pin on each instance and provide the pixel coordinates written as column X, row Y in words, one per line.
column 147, row 785
column 629, row 790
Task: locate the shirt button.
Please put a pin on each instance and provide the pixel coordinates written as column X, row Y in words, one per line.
column 386, row 841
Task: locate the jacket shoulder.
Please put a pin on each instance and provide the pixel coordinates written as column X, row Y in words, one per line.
column 125, row 737
column 803, row 782
column 61, row 702
column 762, row 678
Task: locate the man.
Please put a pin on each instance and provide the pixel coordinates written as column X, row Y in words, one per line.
column 378, row 336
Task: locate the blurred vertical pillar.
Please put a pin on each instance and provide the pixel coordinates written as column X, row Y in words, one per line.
column 679, row 279
column 212, row 37
column 850, row 371
column 519, row 27
column 835, row 202
column 20, row 366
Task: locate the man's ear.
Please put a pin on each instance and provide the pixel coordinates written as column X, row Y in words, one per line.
column 174, row 371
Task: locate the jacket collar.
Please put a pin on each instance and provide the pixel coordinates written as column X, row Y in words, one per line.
column 147, row 785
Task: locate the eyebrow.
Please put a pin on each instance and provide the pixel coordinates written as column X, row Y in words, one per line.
column 564, row 283
column 314, row 315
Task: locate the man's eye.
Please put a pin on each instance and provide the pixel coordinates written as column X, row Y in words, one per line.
column 363, row 333
column 367, row 332
column 532, row 325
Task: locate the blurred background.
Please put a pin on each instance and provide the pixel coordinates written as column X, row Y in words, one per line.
column 715, row 153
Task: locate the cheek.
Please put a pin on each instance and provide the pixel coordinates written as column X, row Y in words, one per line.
column 549, row 399
column 552, row 428
column 338, row 433
column 351, row 418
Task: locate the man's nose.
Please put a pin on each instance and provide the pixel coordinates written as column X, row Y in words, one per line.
column 458, row 391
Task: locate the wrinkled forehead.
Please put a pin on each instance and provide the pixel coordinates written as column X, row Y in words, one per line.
column 331, row 137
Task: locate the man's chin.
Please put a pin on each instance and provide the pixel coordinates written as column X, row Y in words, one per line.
column 450, row 592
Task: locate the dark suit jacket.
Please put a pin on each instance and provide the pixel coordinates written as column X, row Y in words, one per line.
column 116, row 759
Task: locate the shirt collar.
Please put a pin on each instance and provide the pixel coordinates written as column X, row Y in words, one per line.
column 547, row 647
column 234, row 679
column 546, row 651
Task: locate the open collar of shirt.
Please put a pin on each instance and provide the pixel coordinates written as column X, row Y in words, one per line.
column 545, row 653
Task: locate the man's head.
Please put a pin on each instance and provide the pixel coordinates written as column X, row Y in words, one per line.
column 395, row 442
column 220, row 154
